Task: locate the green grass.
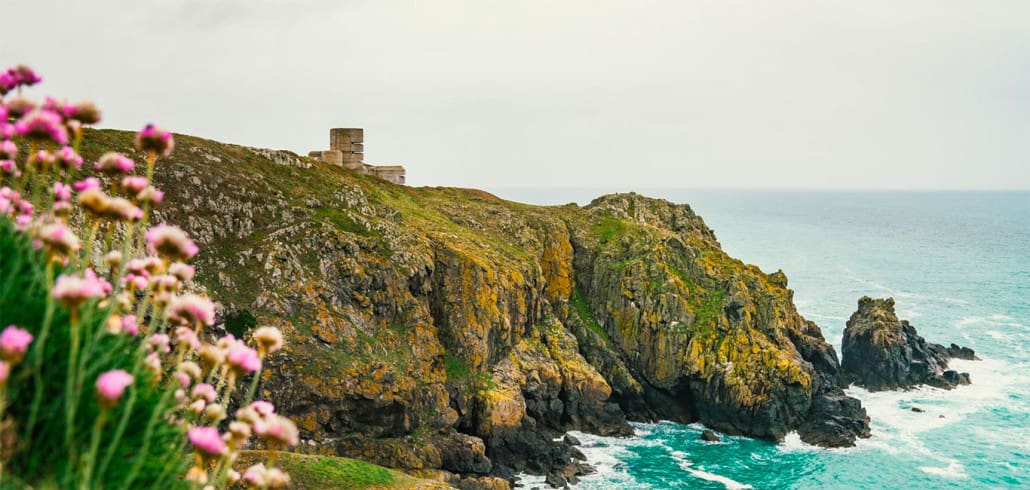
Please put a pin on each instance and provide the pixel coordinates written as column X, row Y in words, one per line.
column 459, row 372
column 610, row 229
column 579, row 303
column 330, row 472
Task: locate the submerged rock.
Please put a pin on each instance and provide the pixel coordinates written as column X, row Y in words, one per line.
column 709, row 436
column 881, row 352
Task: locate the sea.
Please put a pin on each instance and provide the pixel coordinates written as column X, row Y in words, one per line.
column 958, row 265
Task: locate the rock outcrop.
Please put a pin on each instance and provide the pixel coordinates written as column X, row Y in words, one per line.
column 449, row 332
column 881, row 352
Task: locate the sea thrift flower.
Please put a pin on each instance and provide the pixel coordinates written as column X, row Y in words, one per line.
column 205, row 392
column 215, row 412
column 159, row 343
column 182, row 271
column 155, row 139
column 18, row 107
column 73, row 290
column 133, row 184
column 276, row 478
column 207, row 440
column 13, row 343
column 62, row 191
column 240, row 431
column 59, row 238
column 86, row 184
column 43, row 159
column 171, row 242
column 197, row 475
column 186, row 336
column 243, row 359
column 269, row 339
column 150, row 195
column 153, row 363
column 9, row 168
column 26, row 76
column 256, row 476
column 93, row 200
column 66, row 158
column 85, row 112
column 111, row 385
column 113, row 259
column 263, row 407
column 42, row 125
column 114, row 163
column 130, row 325
column 191, row 369
column 191, row 310
column 120, row 209
column 8, row 149
column 211, row 356
column 277, row 429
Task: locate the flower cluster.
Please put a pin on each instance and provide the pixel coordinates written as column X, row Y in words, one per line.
column 137, row 277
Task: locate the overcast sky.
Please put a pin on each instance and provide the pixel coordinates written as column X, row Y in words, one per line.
column 631, row 94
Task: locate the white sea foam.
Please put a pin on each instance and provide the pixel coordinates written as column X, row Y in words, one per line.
column 681, row 458
column 954, row 470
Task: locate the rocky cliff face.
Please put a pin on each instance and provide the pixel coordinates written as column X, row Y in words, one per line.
column 881, row 352
column 446, row 329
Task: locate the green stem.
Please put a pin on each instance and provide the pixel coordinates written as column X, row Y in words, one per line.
column 37, row 354
column 94, row 445
column 69, row 391
column 119, row 431
column 144, row 452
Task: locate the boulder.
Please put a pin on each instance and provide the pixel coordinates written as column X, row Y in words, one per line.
column 709, row 436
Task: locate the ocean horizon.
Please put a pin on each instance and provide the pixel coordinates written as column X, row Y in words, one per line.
column 958, row 265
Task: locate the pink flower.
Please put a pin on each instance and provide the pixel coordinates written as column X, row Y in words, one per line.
column 42, row 124
column 59, row 238
column 186, row 336
column 159, row 343
column 263, row 407
column 13, row 343
column 114, row 163
column 190, row 310
column 8, row 149
column 277, row 429
column 85, row 112
column 66, row 158
column 73, row 290
column 171, row 242
column 26, row 76
column 182, row 271
column 151, row 195
column 133, row 184
column 9, row 168
column 62, row 191
column 154, row 139
column 205, row 392
column 111, row 385
column 256, row 476
column 242, row 358
column 207, row 440
column 87, row 183
column 269, row 339
column 130, row 325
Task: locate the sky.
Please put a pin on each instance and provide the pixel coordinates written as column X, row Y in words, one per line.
column 624, row 95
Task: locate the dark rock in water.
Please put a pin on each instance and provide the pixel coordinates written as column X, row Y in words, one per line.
column 709, row 436
column 836, row 420
column 570, row 440
column 556, row 480
column 956, row 351
column 918, row 410
column 881, row 352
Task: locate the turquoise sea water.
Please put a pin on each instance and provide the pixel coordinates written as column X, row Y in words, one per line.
column 958, row 264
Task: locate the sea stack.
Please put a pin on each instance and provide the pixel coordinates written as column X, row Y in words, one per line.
column 881, row 352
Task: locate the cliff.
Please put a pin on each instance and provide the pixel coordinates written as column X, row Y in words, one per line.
column 452, row 333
